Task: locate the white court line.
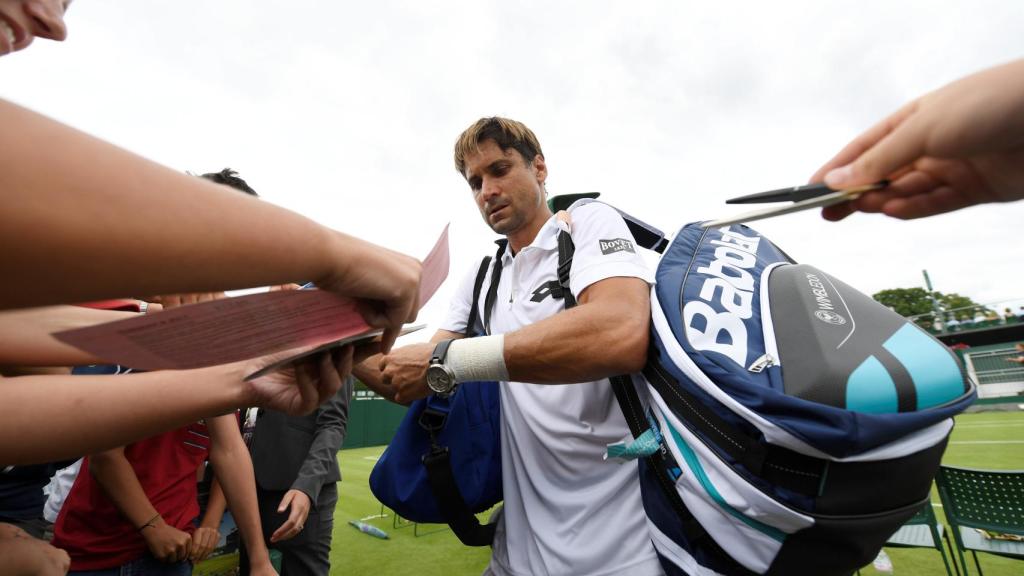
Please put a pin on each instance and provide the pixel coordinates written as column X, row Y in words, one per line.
column 989, row 442
column 374, row 458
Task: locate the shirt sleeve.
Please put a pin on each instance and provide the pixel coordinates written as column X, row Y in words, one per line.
column 458, row 309
column 604, row 248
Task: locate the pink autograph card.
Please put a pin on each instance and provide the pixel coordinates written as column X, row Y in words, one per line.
column 233, row 329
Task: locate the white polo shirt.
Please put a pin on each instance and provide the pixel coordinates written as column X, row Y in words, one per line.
column 567, row 510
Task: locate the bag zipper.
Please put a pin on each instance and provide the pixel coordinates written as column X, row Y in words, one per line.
column 771, row 346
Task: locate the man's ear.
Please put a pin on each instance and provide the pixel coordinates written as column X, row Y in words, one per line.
column 540, row 168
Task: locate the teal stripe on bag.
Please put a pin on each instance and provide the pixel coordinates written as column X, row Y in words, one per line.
column 870, row 389
column 935, row 373
column 693, row 462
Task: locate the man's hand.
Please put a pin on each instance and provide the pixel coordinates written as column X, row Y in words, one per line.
column 204, row 540
column 299, row 504
column 298, row 389
column 405, row 371
column 167, row 543
column 960, row 145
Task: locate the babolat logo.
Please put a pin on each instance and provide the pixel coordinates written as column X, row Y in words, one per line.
column 729, row 286
column 826, row 311
column 617, row 245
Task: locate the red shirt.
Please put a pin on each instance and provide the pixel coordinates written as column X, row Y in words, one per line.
column 95, row 533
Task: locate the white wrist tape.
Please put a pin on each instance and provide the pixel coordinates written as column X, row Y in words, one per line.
column 481, row 358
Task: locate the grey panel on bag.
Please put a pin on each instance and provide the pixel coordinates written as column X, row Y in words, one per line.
column 825, row 329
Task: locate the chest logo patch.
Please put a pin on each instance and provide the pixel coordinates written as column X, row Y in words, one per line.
column 545, row 290
column 616, row 245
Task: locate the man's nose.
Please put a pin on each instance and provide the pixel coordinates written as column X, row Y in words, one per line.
column 489, row 189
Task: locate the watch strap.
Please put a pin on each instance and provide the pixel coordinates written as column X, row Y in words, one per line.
column 440, row 352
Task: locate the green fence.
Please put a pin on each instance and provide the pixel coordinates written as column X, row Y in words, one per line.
column 372, row 420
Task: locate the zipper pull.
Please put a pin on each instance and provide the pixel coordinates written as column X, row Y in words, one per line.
column 761, row 363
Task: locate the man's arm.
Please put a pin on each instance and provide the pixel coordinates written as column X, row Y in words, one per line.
column 116, row 476
column 370, row 372
column 230, row 459
column 321, row 459
column 604, row 335
column 26, row 336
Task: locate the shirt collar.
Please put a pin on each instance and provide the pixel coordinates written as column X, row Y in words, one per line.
column 546, row 239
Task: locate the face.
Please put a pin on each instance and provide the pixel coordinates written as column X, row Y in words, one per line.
column 21, row 21
column 508, row 193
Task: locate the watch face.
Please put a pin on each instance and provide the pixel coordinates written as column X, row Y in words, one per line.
column 439, row 379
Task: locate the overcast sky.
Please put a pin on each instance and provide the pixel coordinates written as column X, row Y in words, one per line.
column 347, row 111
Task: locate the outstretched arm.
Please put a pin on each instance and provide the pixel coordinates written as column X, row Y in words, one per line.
column 93, row 221
column 960, row 145
column 26, row 336
column 112, row 411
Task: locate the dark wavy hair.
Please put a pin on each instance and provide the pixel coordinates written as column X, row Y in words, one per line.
column 229, row 177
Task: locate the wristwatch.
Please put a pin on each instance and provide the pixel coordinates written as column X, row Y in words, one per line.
column 441, row 378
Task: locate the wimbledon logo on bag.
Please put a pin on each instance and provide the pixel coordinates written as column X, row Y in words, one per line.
column 729, row 286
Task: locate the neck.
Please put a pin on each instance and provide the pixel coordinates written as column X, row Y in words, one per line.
column 525, row 235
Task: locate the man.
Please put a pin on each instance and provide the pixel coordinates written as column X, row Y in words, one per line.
column 567, row 510
column 296, row 464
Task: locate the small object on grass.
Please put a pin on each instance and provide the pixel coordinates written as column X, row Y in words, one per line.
column 882, row 563
column 368, row 529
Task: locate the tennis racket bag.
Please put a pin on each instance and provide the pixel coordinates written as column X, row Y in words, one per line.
column 787, row 423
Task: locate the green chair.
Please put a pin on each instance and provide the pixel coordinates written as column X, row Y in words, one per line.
column 924, row 531
column 991, row 500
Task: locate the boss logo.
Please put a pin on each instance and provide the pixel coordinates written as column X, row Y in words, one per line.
column 830, row 317
column 730, row 286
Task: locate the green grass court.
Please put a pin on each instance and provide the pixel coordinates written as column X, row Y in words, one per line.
column 982, row 440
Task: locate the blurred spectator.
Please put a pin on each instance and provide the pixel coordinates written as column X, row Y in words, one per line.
column 1019, row 359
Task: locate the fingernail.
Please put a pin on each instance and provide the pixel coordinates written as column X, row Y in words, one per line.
column 837, row 177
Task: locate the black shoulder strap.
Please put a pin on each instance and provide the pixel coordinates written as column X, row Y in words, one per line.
column 566, row 250
column 477, row 286
column 492, row 290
